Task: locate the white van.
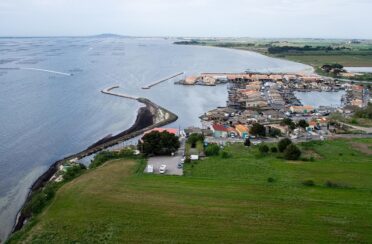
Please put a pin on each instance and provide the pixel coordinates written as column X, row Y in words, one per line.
column 150, row 168
column 162, row 169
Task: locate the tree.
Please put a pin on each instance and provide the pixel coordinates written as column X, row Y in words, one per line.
column 212, row 150
column 194, row 138
column 274, row 149
column 302, row 123
column 274, row 132
column 159, row 143
column 288, row 122
column 264, row 149
column 258, row 130
column 247, row 142
column 283, row 144
column 292, row 152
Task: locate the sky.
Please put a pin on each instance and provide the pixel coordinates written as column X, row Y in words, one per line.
column 190, row 18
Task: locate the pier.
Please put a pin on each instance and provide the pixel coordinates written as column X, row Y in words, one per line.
column 162, row 80
column 108, row 91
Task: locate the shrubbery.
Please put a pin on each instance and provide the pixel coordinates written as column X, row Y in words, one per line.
column 283, row 144
column 212, row 150
column 292, row 152
column 42, row 197
column 263, row 148
column 270, row 179
column 225, row 154
column 73, row 172
column 365, row 113
column 194, row 138
column 258, row 130
column 308, row 183
column 274, row 132
column 247, row 142
column 274, row 149
column 332, row 184
column 105, row 156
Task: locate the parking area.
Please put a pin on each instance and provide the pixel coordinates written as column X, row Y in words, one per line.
column 170, row 161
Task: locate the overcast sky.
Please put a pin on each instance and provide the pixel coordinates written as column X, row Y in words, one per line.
column 248, row 18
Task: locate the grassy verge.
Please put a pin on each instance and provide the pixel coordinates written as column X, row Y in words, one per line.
column 220, row 200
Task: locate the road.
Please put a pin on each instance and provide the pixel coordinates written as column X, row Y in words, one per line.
column 365, row 129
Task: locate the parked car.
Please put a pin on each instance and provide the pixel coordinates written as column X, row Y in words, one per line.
column 150, row 168
column 180, row 165
column 162, row 169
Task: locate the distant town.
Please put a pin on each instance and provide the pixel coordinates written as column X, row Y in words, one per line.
column 268, row 99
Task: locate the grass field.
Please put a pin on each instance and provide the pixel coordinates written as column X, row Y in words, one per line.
column 345, row 60
column 218, row 201
column 357, row 55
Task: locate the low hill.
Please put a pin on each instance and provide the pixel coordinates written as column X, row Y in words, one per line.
column 242, row 198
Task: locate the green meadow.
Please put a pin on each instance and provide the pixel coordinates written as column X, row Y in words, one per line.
column 244, row 198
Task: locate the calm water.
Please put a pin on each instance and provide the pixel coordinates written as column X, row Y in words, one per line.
column 359, row 69
column 317, row 99
column 46, row 116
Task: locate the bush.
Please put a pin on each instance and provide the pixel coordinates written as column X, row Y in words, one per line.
column 247, row 142
column 274, row 132
column 225, row 154
column 302, row 123
column 292, row 152
column 283, row 144
column 194, row 138
column 365, row 113
column 264, row 149
column 73, row 172
column 126, row 152
column 308, row 183
column 289, row 122
column 101, row 158
column 274, row 149
column 40, row 199
column 331, row 184
column 270, row 179
column 212, row 150
column 258, row 130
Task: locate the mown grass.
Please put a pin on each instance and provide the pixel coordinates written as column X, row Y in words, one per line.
column 219, row 200
column 321, row 59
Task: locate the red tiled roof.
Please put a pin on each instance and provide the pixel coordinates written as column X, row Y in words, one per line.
column 169, row 130
column 219, row 127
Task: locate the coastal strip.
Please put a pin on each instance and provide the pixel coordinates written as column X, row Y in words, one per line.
column 148, row 117
column 162, row 80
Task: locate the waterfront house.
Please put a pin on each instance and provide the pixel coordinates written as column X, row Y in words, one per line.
column 231, row 132
column 219, row 131
column 190, row 80
column 301, row 109
column 242, row 131
column 357, row 103
column 193, row 130
column 312, row 126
